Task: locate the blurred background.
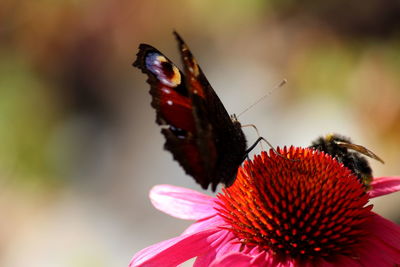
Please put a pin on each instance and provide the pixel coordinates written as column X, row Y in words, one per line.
column 79, row 147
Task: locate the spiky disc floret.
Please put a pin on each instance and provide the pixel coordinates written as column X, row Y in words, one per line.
column 304, row 208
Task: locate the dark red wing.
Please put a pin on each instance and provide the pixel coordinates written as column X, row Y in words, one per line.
column 174, row 106
column 200, row 133
column 169, row 95
column 227, row 134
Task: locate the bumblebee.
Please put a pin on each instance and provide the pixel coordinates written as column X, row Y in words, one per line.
column 349, row 154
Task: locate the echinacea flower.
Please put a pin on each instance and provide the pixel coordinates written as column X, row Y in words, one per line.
column 306, row 211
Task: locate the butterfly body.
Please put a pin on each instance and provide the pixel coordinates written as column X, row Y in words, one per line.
column 208, row 143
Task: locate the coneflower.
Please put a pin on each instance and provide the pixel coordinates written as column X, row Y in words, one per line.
column 307, row 211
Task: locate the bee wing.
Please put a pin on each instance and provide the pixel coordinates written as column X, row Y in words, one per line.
column 363, row 150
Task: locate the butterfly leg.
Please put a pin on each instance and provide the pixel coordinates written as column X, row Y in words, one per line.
column 258, row 133
column 248, row 150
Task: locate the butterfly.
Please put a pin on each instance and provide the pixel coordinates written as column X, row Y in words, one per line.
column 207, row 142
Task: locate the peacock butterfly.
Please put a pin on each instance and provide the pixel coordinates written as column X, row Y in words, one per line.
column 208, row 143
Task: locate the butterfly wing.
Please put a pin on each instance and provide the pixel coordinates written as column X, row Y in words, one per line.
column 212, row 117
column 178, row 111
column 200, row 133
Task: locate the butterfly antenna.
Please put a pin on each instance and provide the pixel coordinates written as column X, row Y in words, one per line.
column 282, row 83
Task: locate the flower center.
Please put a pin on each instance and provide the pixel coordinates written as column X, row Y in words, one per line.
column 308, row 207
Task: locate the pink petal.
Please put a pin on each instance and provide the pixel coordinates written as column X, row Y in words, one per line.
column 379, row 256
column 382, row 247
column 205, row 260
column 264, row 258
column 236, row 259
column 386, row 231
column 261, row 259
column 219, row 246
column 231, row 245
column 206, row 223
column 173, row 251
column 181, row 202
column 339, row 260
column 384, row 185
